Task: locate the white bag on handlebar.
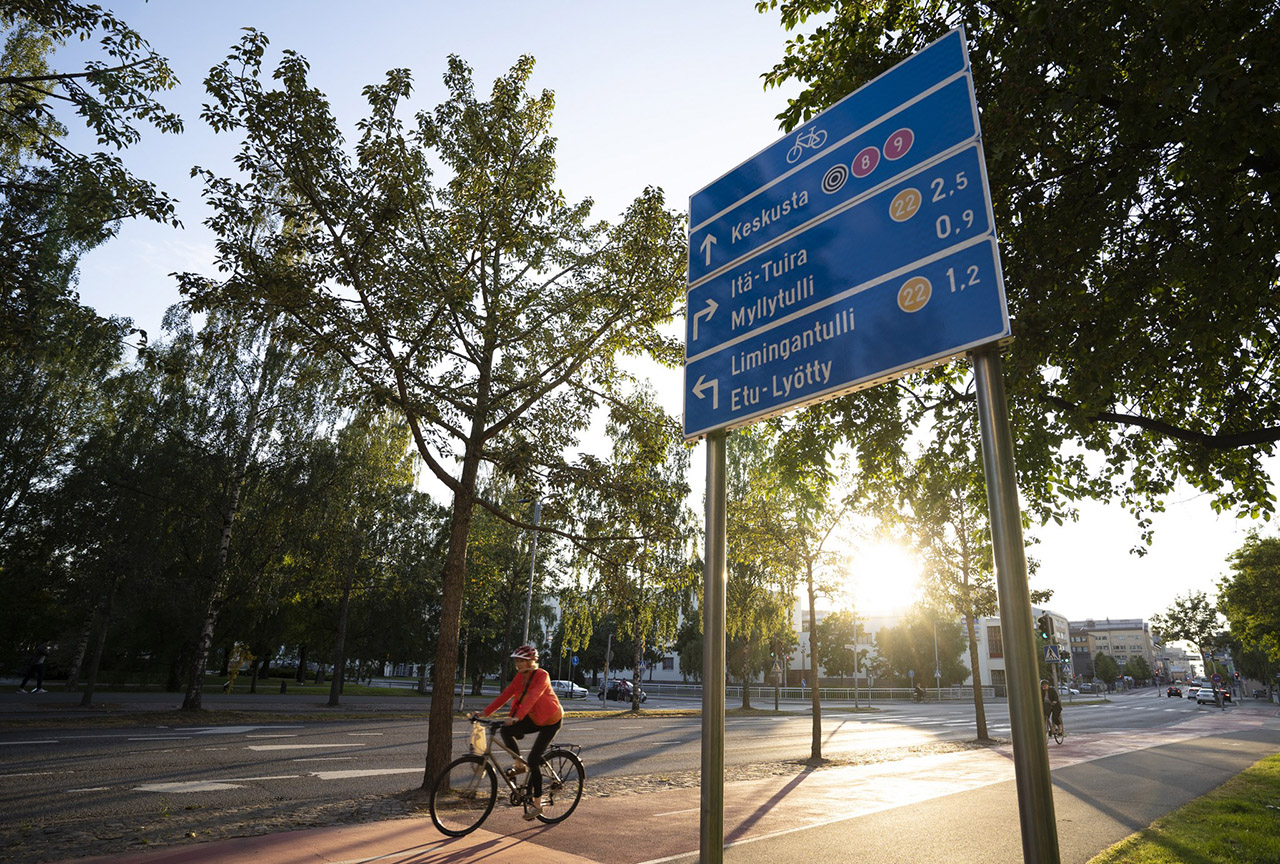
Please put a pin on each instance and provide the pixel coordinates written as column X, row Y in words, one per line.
column 479, row 741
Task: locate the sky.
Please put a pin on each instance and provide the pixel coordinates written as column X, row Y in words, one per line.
column 657, row 93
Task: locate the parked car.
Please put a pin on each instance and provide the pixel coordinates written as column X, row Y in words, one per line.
column 1173, row 691
column 569, row 690
column 1259, row 694
column 620, row 690
column 1086, row 687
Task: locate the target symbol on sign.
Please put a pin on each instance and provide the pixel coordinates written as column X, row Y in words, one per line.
column 835, row 179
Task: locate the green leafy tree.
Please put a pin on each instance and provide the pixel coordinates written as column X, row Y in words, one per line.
column 939, row 500
column 355, row 523
column 1138, row 669
column 1105, row 668
column 639, row 569
column 910, row 646
column 1250, row 597
column 1192, row 617
column 252, row 398
column 688, row 646
column 485, row 308
column 1133, row 165
column 835, row 631
column 56, row 202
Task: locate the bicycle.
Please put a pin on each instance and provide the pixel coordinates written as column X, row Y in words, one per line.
column 463, row 796
column 1054, row 730
column 814, row 138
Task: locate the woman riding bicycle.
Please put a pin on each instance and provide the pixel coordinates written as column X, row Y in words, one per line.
column 1051, row 704
column 535, row 709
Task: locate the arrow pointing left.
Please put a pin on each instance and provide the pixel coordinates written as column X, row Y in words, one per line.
column 704, row 385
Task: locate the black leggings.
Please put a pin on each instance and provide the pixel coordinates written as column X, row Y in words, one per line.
column 521, row 728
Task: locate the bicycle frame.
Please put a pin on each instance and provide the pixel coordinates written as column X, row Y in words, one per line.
column 519, row 794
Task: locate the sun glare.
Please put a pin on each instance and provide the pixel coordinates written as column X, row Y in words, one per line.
column 883, row 577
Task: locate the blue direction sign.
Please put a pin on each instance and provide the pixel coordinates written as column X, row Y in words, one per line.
column 939, row 206
column 918, row 314
column 857, row 249
column 937, row 122
column 919, row 73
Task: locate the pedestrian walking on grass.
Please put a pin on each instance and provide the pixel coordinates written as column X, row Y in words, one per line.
column 36, row 668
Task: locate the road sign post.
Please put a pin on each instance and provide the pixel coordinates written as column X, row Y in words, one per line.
column 856, row 249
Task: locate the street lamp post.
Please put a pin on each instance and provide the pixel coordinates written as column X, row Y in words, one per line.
column 937, row 667
column 533, row 563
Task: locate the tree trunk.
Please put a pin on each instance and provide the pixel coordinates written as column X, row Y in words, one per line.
column 453, row 578
column 745, row 675
column 199, row 663
column 636, row 675
column 301, row 677
column 104, row 622
column 815, row 752
column 82, row 648
column 340, row 648
column 979, row 709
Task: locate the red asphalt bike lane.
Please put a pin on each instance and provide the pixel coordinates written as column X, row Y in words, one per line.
column 655, row 827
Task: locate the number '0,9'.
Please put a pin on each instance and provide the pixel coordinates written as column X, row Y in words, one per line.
column 943, row 225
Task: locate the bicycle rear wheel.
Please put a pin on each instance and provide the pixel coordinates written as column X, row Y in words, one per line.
column 463, row 795
column 1058, row 735
column 562, row 776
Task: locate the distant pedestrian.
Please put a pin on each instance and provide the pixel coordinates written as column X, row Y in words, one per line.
column 36, row 668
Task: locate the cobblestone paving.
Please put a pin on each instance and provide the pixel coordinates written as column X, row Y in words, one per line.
column 55, row 840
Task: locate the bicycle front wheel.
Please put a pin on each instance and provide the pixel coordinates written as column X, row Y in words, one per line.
column 562, row 776
column 463, row 795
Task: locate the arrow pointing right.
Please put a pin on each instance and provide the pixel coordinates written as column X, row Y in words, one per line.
column 707, row 312
column 704, row 385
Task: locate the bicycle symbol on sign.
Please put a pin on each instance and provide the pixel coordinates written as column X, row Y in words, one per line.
column 814, row 138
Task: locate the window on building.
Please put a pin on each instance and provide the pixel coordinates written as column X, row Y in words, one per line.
column 995, row 645
column 668, row 663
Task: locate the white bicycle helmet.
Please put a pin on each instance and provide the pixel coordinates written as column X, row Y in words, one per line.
column 526, row 652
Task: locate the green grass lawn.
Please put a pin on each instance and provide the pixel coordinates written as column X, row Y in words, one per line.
column 1237, row 822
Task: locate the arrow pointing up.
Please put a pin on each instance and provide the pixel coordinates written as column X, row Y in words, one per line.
column 704, row 385
column 710, row 310
column 707, row 243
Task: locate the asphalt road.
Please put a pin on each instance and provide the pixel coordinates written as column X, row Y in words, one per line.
column 132, row 773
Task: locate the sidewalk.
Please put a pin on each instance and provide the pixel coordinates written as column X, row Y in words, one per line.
column 858, row 803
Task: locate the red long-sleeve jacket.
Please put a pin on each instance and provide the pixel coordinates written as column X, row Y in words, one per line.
column 538, row 701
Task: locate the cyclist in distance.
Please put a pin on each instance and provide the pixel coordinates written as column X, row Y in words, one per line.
column 1051, row 703
column 535, row 709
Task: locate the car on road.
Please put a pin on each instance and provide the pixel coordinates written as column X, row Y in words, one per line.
column 1086, row 687
column 620, row 690
column 1206, row 695
column 1066, row 690
column 1173, row 691
column 1259, row 694
column 1190, row 692
column 569, row 690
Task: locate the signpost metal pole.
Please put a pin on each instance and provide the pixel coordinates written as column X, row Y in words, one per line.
column 1030, row 752
column 713, row 656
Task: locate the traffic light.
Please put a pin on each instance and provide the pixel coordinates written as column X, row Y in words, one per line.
column 1044, row 626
